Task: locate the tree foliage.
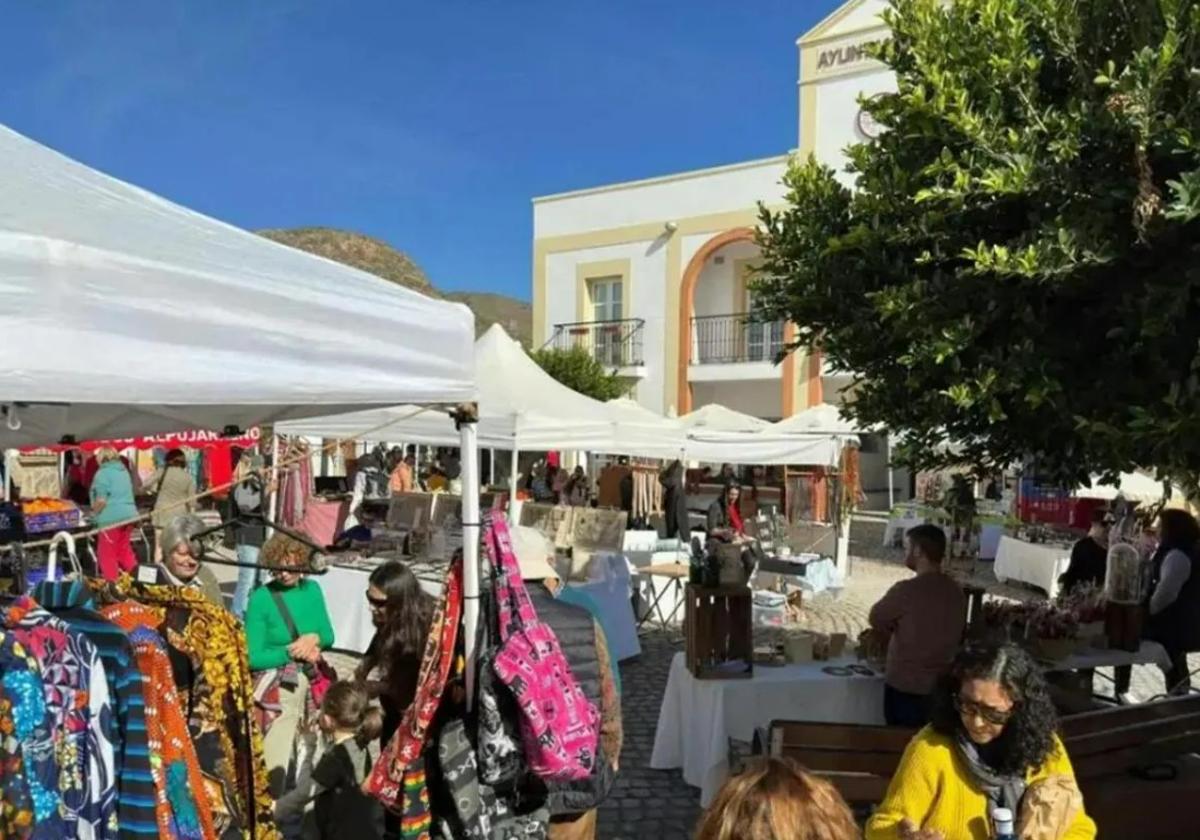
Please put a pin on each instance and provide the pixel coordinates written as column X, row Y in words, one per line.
column 1017, row 268
column 578, row 369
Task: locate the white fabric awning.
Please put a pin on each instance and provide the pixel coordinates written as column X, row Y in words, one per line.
column 824, row 419
column 123, row 314
column 718, row 418
column 519, row 405
column 1135, row 486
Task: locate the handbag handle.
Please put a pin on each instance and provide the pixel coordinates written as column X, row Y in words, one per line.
column 516, row 609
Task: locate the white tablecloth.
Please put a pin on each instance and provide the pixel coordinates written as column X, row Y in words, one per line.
column 698, row 717
column 345, row 591
column 1150, row 653
column 1036, row 564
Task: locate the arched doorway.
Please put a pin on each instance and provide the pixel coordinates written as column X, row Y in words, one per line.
column 687, row 302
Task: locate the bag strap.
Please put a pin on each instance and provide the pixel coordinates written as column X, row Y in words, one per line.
column 513, row 595
column 277, row 597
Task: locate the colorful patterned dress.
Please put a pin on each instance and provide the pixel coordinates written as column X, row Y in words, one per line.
column 76, row 691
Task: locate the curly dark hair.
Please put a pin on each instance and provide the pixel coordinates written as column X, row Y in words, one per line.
column 1028, row 737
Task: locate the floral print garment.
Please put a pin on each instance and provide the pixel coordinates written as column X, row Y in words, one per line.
column 16, row 805
column 215, row 689
column 21, row 678
column 76, row 691
column 182, row 806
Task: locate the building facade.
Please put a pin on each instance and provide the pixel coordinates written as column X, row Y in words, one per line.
column 651, row 275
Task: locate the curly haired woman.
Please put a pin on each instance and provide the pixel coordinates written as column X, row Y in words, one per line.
column 992, row 744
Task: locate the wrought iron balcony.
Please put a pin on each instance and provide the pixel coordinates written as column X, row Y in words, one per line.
column 612, row 343
column 729, row 339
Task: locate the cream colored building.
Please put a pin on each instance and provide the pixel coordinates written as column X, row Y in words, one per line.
column 651, row 275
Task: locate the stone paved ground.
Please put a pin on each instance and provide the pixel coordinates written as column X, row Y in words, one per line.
column 658, row 804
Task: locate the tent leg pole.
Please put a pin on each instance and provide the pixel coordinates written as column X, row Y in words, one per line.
column 512, row 485
column 891, row 476
column 8, row 462
column 273, row 498
column 470, row 509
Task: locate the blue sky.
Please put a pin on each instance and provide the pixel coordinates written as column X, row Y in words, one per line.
column 427, row 124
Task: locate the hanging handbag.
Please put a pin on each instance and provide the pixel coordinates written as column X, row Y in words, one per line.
column 321, row 675
column 499, row 753
column 479, row 814
column 560, row 727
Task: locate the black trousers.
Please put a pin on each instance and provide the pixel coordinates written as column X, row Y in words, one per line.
column 900, row 708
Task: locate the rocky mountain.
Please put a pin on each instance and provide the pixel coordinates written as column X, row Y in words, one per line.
column 382, row 260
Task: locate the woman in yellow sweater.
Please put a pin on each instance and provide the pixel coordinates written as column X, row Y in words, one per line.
column 992, row 744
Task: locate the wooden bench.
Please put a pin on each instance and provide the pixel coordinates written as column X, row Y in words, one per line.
column 1103, row 746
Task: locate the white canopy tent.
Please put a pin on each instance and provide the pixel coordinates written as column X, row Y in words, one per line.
column 823, row 419
column 123, row 314
column 519, row 405
column 1135, row 486
column 718, row 418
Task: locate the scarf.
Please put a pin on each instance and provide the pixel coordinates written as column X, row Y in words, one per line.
column 735, row 518
column 398, row 777
column 1001, row 791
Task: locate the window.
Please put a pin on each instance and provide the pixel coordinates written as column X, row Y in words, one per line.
column 606, row 294
column 764, row 340
column 607, row 305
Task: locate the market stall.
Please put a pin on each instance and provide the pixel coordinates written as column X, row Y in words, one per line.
column 128, row 315
column 698, row 718
column 1038, row 564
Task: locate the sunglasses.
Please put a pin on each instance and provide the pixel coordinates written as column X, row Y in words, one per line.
column 377, row 603
column 969, row 708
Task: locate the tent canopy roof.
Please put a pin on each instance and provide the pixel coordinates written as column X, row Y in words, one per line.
column 125, row 314
column 718, row 418
column 819, row 419
column 519, row 405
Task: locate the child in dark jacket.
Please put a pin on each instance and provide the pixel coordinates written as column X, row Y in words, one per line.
column 331, row 800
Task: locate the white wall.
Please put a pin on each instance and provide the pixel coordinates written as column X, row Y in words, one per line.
column 837, row 115
column 761, row 399
column 716, row 288
column 647, row 300
column 706, row 191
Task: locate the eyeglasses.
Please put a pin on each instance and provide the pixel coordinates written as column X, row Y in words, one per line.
column 377, row 603
column 969, row 708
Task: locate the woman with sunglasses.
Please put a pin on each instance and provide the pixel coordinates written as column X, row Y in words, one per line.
column 401, row 612
column 992, row 744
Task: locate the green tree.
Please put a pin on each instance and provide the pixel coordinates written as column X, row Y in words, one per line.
column 1017, row 268
column 578, row 369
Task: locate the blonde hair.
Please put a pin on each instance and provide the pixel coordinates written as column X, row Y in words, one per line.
column 105, row 454
column 774, row 799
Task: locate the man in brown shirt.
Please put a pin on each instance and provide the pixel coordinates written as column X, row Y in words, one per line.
column 923, row 618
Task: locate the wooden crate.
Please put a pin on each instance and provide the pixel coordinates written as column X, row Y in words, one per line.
column 718, row 624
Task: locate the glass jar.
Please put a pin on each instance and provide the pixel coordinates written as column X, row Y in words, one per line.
column 1128, row 578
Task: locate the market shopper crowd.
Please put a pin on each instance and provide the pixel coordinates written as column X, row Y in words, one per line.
column 985, row 736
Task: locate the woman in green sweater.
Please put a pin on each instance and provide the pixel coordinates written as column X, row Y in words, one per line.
column 287, row 628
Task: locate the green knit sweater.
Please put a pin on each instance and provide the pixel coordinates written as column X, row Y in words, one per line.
column 267, row 635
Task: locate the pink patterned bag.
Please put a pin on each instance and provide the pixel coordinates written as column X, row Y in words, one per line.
column 560, row 727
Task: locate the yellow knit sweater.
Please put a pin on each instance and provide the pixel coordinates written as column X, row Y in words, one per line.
column 931, row 790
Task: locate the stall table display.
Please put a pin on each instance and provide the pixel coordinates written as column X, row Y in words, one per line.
column 699, row 717
column 1038, row 564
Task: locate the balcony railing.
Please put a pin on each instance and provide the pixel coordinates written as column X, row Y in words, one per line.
column 611, row 343
column 728, row 339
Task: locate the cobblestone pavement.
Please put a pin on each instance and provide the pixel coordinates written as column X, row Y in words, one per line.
column 658, row 804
